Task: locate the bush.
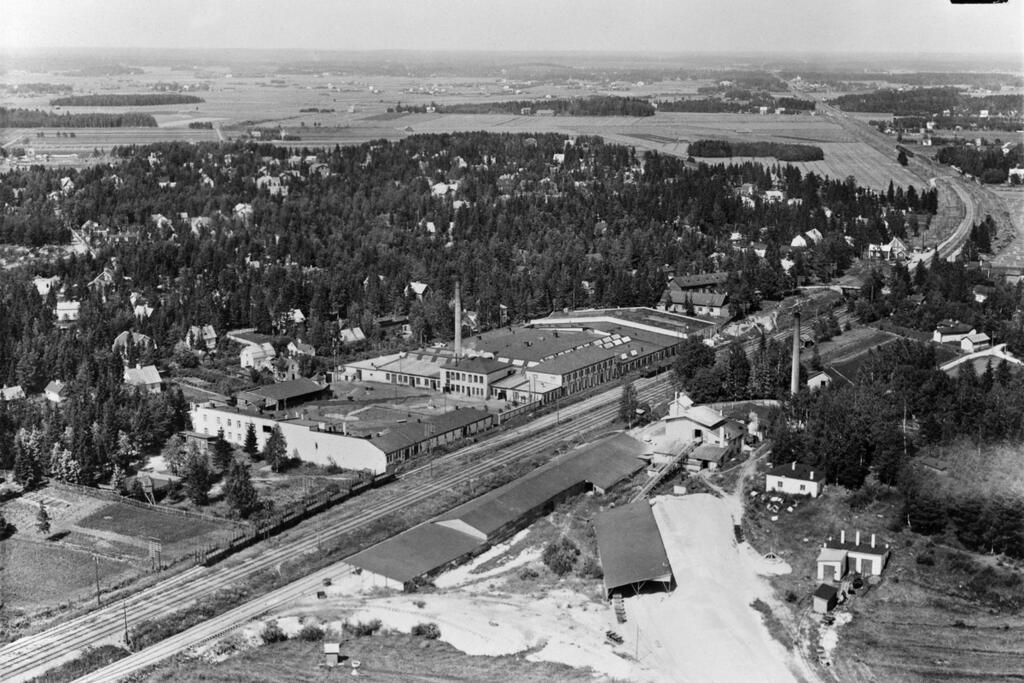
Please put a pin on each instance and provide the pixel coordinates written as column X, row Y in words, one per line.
column 560, row 556
column 363, row 629
column 927, row 559
column 272, row 633
column 429, row 630
column 529, row 574
column 590, row 568
column 311, row 633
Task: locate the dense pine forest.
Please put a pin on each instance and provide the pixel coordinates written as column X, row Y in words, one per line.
column 782, row 152
column 596, row 105
column 125, row 100
column 929, row 101
column 37, row 118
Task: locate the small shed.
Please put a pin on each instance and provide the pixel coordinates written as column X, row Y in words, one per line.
column 332, row 652
column 831, row 562
column 825, row 598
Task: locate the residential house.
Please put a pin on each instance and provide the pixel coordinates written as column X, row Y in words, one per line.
column 143, row 311
column 894, row 250
column 300, row 348
column 139, row 340
column 257, row 356
column 951, row 331
column 712, row 304
column 416, row 288
column 351, row 335
column 145, row 377
column 982, row 293
column 974, row 342
column 806, row 239
column 67, row 311
column 794, row 478
column 201, row 337
column 43, row 285
column 14, row 393
column 55, row 391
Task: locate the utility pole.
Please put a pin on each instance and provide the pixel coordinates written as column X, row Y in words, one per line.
column 124, row 607
column 96, row 562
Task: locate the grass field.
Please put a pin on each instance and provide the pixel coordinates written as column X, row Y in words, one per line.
column 390, row 658
column 127, row 520
column 928, row 620
column 69, row 573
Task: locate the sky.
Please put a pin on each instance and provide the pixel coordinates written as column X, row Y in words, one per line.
column 816, row 26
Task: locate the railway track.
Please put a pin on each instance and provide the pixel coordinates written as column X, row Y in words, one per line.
column 34, row 654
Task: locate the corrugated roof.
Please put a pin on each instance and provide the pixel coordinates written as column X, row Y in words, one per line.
column 630, row 546
column 282, row 391
column 603, row 464
column 415, row 552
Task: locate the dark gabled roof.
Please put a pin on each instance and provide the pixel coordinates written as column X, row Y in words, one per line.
column 709, row 452
column 826, row 592
column 697, row 298
column 415, row 552
column 953, row 327
column 603, row 463
column 481, row 366
column 700, row 280
column 282, row 391
column 797, row 470
column 864, row 547
column 629, row 544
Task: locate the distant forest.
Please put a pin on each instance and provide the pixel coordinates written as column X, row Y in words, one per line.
column 930, row 101
column 991, row 81
column 738, row 103
column 990, row 165
column 599, row 105
column 126, row 100
column 37, row 118
column 782, row 152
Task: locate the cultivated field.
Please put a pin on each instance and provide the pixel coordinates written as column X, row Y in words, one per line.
column 84, row 527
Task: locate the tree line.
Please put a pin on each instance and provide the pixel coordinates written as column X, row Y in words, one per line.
column 988, row 164
column 595, row 105
column 930, row 101
column 781, row 151
column 37, row 118
column 125, row 100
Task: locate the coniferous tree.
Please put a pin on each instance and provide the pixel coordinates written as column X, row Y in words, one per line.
column 250, row 445
column 275, row 452
column 43, row 520
column 238, row 489
column 222, row 452
column 197, row 480
column 628, row 403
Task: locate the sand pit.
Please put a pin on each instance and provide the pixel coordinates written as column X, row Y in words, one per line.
column 705, row 630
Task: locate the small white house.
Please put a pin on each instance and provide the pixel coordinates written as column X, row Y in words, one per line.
column 794, row 478
column 300, row 348
column 202, row 337
column 14, row 393
column 864, row 558
column 43, row 285
column 54, row 391
column 257, row 355
column 146, row 377
column 832, row 564
column 976, row 341
column 67, row 311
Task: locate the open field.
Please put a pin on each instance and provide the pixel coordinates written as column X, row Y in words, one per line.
column 84, row 526
column 70, row 573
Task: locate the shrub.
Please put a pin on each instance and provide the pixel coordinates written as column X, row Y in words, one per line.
column 560, row 556
column 791, row 596
column 420, row 603
column 590, row 568
column 272, row 633
column 363, row 629
column 529, row 574
column 927, row 559
column 311, row 633
column 429, row 630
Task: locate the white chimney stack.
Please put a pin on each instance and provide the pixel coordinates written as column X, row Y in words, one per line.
column 842, row 536
column 458, row 321
column 812, row 475
column 872, row 540
column 857, row 542
column 794, row 380
column 794, row 465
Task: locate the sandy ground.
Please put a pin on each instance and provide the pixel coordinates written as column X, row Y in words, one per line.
column 705, row 630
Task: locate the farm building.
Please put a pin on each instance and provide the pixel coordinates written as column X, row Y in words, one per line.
column 794, row 478
column 471, row 528
column 632, row 553
column 281, row 395
column 825, row 598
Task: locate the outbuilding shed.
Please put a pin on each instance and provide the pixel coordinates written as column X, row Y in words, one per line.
column 632, row 554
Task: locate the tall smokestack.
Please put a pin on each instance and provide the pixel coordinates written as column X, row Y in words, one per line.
column 794, row 378
column 458, row 321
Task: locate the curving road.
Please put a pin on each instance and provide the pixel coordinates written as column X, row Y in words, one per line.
column 33, row 655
